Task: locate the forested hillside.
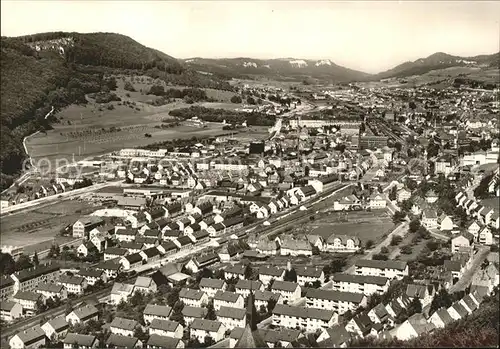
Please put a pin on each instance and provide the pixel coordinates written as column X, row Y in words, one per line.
column 57, row 69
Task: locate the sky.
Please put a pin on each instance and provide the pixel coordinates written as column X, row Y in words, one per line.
column 370, row 36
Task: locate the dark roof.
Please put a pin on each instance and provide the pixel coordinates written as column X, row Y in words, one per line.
column 27, row 295
column 308, row 271
column 6, row 281
column 90, row 272
column 335, row 295
column 232, row 221
column 191, row 293
column 230, row 312
column 194, row 312
column 184, row 240
column 85, row 340
column 302, row 312
column 117, row 341
column 50, row 287
column 166, row 325
column 200, row 234
column 172, row 233
column 360, row 279
column 158, row 310
column 266, row 295
column 212, row 283
column 364, row 323
column 163, row 342
column 206, row 325
column 31, row 273
column 252, row 285
column 284, row 286
column 369, row 263
column 235, row 269
column 271, row 270
column 230, row 297
column 86, row 312
column 460, row 309
column 31, row 335
column 134, row 258
column 115, row 251
column 124, row 324
column 59, row 323
column 151, row 252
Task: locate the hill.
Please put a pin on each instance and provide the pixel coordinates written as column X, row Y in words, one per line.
column 283, row 68
column 437, row 61
column 58, row 69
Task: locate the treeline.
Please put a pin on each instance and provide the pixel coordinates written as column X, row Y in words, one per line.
column 194, row 94
column 219, row 115
column 458, row 82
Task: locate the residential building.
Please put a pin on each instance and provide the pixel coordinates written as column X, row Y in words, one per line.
column 262, row 298
column 117, row 341
column 366, row 284
column 389, row 269
column 161, row 342
column 29, row 279
column 10, row 310
column 231, row 317
column 340, row 302
column 123, row 327
column 52, row 291
column 192, row 313
column 268, row 273
column 30, row 338
column 121, row 292
column 290, row 291
column 228, row 299
column 415, row 326
column 201, row 328
column 80, row 341
column 73, row 284
column 153, row 311
column 84, row 225
column 56, row 327
column 83, row 314
column 244, row 287
column 28, row 300
column 309, row 319
column 193, row 298
column 211, row 286
column 166, row 328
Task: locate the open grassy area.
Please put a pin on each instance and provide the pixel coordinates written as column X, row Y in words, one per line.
column 364, row 226
column 43, row 224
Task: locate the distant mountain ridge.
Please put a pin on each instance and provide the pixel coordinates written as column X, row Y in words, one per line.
column 326, row 69
column 296, row 68
column 438, row 60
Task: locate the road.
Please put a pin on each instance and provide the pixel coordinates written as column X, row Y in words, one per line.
column 35, row 204
column 465, row 280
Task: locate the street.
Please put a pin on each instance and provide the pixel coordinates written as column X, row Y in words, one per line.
column 465, row 280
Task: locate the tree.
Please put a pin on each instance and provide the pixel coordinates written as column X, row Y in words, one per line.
column 290, row 275
column 396, row 239
column 211, row 311
column 271, row 303
column 193, row 342
column 433, row 245
column 441, row 299
column 393, row 193
column 414, row 225
column 369, row 244
column 69, row 307
column 398, row 217
column 384, row 250
column 7, row 264
column 129, row 86
column 23, row 262
column 251, row 100
column 398, row 146
column 35, row 260
column 412, row 105
column 414, row 307
column 315, row 251
column 406, row 250
column 208, row 341
column 236, row 99
column 380, row 257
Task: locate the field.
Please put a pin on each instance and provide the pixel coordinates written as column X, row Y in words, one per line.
column 89, row 130
column 364, row 225
column 42, row 225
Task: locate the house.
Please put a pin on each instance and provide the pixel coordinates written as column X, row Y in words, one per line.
column 377, row 201
column 228, row 299
column 153, row 311
column 244, row 287
column 211, row 286
column 429, row 219
column 228, row 252
column 231, row 317
column 117, row 341
column 485, row 236
column 340, row 302
column 424, row 293
column 342, row 243
column 463, row 240
column 127, row 234
column 10, row 310
column 445, row 223
column 132, row 261
column 235, row 271
column 366, row 284
column 198, row 263
column 309, row 319
column 162, row 342
column 29, row 338
column 262, row 298
column 56, row 327
column 295, row 247
column 193, row 298
column 268, row 273
column 290, row 291
column 192, row 313
column 414, row 327
column 80, row 341
column 440, row 318
column 114, row 252
column 73, row 284
column 360, row 325
column 6, row 287
column 52, row 291
column 267, row 247
column 457, row 311
column 93, row 276
column 84, row 225
column 123, row 327
column 28, row 279
column 200, row 328
column 431, row 197
column 82, row 314
column 389, row 269
column 121, row 292
column 111, row 267
column 166, row 328
column 469, row 303
column 335, row 337
column 28, row 300
column 145, row 284
column 379, row 314
column 403, row 194
column 474, row 229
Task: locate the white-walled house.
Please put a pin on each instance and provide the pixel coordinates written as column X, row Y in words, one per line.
column 290, row 291
column 200, row 328
column 309, row 319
